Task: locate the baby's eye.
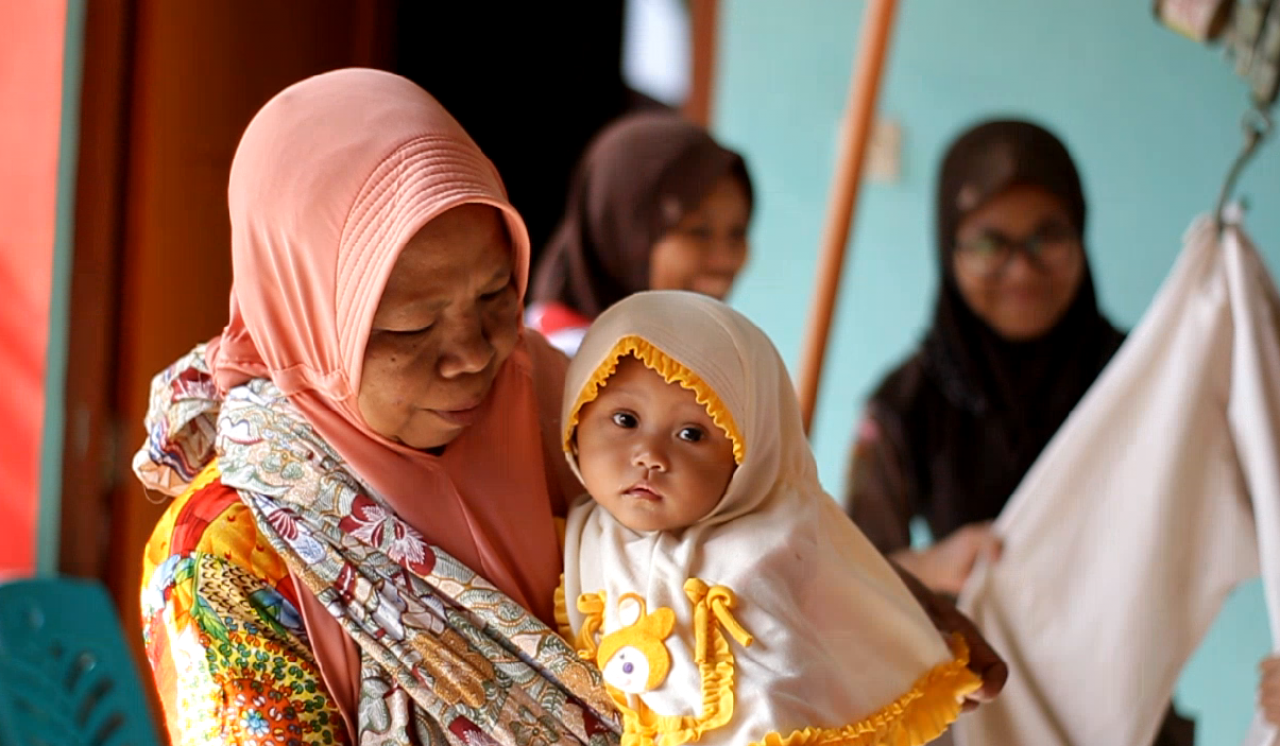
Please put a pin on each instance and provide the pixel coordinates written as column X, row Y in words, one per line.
column 692, row 434
column 624, row 419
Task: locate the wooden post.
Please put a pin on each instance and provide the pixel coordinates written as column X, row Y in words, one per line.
column 703, row 34
column 859, row 119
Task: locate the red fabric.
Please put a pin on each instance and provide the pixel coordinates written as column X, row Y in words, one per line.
column 552, row 317
column 31, row 49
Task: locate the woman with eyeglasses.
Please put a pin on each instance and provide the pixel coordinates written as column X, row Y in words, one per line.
column 1017, row 338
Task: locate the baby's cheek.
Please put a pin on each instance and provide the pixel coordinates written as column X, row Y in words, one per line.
column 597, row 460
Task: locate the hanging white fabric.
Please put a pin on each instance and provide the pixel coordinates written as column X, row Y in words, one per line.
column 1159, row 494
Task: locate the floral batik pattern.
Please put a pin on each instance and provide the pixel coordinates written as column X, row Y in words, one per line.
column 182, row 416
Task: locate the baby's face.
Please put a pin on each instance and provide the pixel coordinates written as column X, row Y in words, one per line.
column 649, row 452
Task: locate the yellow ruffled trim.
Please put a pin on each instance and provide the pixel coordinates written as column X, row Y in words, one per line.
column 591, row 606
column 563, row 625
column 671, row 372
column 917, row 717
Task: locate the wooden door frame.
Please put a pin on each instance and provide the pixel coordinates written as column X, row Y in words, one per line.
column 90, row 450
column 704, row 31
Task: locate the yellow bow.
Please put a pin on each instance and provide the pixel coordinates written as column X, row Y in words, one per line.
column 713, row 601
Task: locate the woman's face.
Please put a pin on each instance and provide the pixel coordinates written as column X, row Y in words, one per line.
column 447, row 321
column 708, row 247
column 1020, row 298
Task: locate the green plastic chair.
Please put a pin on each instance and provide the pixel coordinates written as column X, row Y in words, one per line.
column 66, row 675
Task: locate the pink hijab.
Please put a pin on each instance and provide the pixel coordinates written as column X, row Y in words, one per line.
column 331, row 179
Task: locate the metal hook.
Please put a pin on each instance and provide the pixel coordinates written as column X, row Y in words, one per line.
column 1257, row 125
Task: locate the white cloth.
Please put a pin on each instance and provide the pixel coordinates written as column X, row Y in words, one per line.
column 837, row 636
column 1159, row 494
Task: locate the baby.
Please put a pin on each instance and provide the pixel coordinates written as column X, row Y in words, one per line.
column 725, row 596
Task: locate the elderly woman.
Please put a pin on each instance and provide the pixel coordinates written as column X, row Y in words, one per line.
column 363, row 547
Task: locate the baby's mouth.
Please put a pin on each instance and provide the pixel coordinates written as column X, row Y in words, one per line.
column 643, row 491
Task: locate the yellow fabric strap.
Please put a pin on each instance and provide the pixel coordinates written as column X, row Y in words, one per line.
column 699, row 630
column 721, row 600
column 592, row 607
column 563, row 626
column 713, row 601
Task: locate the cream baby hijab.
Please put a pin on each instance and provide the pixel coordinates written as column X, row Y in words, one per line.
column 772, row 620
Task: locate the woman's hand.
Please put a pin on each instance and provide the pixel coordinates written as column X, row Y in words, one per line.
column 983, row 659
column 946, row 565
column 1269, row 690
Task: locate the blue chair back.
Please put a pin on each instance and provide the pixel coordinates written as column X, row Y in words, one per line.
column 66, row 675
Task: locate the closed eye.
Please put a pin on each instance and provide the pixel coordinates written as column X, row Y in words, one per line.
column 496, row 294
column 497, row 286
column 625, row 420
column 409, row 332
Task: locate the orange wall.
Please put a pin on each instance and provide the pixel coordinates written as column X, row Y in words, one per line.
column 31, row 41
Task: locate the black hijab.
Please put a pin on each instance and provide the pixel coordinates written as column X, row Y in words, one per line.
column 974, row 409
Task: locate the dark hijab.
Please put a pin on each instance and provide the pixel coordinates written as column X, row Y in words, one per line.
column 973, row 408
column 639, row 177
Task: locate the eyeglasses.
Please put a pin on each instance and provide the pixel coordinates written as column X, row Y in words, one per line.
column 1048, row 248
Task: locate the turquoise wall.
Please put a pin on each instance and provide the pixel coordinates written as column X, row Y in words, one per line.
column 1152, row 118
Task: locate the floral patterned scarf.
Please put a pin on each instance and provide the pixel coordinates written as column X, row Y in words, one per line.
column 446, row 658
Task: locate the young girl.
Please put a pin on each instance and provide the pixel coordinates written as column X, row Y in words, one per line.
column 724, row 595
column 656, row 204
